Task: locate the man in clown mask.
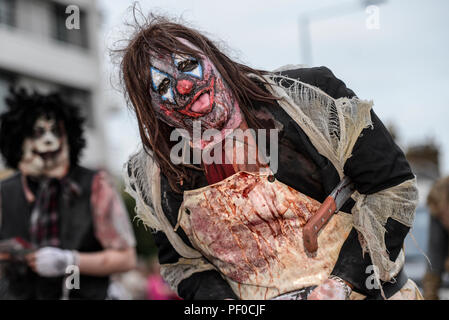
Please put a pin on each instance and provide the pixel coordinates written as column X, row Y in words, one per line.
column 45, row 153
column 230, row 229
column 69, row 219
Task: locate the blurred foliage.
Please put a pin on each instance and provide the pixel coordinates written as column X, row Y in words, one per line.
column 145, row 242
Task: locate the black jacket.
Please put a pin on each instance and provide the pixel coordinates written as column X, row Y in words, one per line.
column 377, row 163
column 76, row 233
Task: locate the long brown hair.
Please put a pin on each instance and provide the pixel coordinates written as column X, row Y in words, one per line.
column 160, row 35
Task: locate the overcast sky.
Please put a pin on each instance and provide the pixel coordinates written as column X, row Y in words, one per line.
column 403, row 66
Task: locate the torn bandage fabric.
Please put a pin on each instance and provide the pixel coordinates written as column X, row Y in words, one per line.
column 370, row 214
column 333, row 127
column 174, row 273
column 142, row 182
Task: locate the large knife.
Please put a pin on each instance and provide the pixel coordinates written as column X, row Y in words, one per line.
column 332, row 204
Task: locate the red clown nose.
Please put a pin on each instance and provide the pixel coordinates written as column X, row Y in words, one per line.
column 184, row 86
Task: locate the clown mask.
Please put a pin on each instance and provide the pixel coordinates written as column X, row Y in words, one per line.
column 45, row 152
column 185, row 89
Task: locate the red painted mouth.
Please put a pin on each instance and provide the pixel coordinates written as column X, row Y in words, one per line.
column 201, row 103
column 47, row 155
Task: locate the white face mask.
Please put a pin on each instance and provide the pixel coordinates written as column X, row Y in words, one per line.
column 46, row 152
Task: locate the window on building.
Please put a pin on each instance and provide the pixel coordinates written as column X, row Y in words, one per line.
column 79, row 97
column 77, row 37
column 8, row 12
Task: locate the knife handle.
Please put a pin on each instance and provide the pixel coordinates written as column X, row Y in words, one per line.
column 314, row 225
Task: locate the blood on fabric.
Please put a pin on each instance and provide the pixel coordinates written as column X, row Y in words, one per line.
column 212, row 209
column 251, row 230
column 265, row 229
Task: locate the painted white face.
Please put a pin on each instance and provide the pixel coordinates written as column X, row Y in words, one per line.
column 187, row 89
column 46, row 152
column 46, row 137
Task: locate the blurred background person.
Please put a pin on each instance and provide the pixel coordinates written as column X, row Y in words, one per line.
column 438, row 247
column 62, row 213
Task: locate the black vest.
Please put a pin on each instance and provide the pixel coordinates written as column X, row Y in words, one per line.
column 76, row 233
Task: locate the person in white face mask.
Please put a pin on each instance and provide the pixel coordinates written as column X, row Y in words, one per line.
column 69, row 220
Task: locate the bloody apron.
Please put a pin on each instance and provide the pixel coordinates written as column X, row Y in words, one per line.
column 249, row 226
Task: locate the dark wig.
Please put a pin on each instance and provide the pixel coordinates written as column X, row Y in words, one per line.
column 23, row 109
column 161, row 36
